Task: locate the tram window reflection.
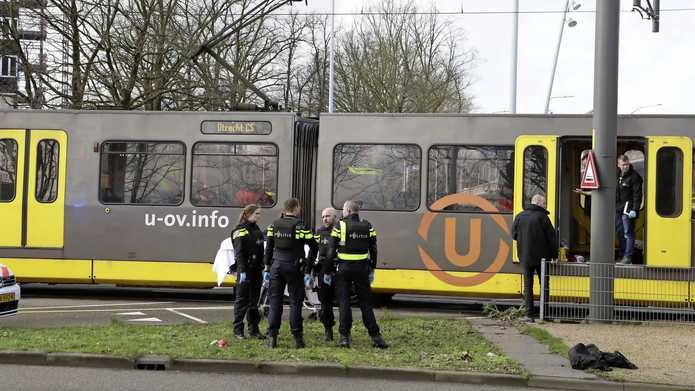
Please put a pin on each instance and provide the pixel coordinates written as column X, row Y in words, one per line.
column 483, row 171
column 234, row 174
column 8, row 169
column 382, row 176
column 535, row 173
column 150, row 173
column 669, row 182
column 47, row 155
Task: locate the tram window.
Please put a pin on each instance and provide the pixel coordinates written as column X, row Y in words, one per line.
column 8, row 169
column 150, row 173
column 669, row 182
column 234, row 174
column 47, row 153
column 381, row 176
column 535, row 173
column 484, row 171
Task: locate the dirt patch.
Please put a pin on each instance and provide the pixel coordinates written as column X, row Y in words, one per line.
column 663, row 353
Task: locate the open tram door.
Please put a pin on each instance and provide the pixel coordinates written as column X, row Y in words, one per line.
column 663, row 230
column 32, row 188
column 535, row 172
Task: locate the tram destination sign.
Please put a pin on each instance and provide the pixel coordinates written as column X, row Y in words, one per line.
column 236, row 127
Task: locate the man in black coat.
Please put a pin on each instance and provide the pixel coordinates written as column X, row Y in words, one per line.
column 628, row 200
column 535, row 240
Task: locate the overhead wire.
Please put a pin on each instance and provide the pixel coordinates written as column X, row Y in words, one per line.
column 461, row 12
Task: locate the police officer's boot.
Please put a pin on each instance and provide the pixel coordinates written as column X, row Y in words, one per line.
column 299, row 341
column 272, row 341
column 328, row 334
column 344, row 341
column 378, row 342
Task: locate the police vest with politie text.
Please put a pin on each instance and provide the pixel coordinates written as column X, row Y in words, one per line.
column 356, row 240
column 323, row 240
column 289, row 235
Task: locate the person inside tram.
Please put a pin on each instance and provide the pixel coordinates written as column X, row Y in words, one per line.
column 628, row 199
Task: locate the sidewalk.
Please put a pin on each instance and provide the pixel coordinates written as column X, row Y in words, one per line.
column 548, row 370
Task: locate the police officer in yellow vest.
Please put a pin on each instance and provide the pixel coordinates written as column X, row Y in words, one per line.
column 353, row 246
column 285, row 263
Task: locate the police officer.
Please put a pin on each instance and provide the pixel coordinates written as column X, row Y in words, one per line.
column 247, row 239
column 285, row 264
column 353, row 245
column 324, row 273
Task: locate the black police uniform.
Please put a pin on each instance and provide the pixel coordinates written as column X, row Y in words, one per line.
column 285, row 256
column 324, row 267
column 353, row 245
column 247, row 239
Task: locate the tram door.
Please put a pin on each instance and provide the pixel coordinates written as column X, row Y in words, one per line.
column 668, row 198
column 32, row 188
column 535, row 172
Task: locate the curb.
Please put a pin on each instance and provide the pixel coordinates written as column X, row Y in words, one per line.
column 599, row 385
column 573, row 384
column 319, row 369
column 88, row 360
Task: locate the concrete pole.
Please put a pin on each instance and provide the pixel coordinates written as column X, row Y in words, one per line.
column 605, row 139
column 515, row 52
column 332, row 54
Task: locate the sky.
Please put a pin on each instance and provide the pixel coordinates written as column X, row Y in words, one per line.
column 656, row 74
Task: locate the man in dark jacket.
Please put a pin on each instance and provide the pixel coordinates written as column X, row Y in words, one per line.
column 628, row 200
column 324, row 273
column 535, row 240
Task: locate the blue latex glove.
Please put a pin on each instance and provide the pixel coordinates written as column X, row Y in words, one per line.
column 327, row 279
column 371, row 277
column 266, row 279
column 241, row 278
column 632, row 214
column 307, row 280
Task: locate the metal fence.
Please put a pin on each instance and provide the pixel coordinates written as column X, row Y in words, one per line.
column 640, row 293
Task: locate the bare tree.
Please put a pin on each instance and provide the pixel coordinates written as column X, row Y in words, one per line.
column 73, row 46
column 398, row 61
column 310, row 79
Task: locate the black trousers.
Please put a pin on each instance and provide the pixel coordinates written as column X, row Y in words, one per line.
column 285, row 273
column 356, row 273
column 529, row 272
column 246, row 303
column 326, row 295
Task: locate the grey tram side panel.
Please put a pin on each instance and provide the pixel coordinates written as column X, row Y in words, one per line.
column 399, row 242
column 121, row 234
column 90, row 233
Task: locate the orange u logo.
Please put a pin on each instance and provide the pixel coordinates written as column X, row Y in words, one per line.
column 474, row 249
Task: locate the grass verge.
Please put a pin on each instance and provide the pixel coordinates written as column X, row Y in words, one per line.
column 555, row 344
column 440, row 344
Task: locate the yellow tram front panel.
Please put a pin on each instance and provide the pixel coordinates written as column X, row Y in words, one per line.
column 522, row 144
column 669, row 187
column 11, row 186
column 45, row 220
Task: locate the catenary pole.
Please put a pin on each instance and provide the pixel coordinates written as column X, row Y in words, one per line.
column 605, row 123
column 515, row 52
column 331, row 65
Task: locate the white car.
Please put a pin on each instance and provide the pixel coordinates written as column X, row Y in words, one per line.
column 9, row 292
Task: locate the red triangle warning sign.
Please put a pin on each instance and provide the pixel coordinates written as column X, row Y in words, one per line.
column 590, row 174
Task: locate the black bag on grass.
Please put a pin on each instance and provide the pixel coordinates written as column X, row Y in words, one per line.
column 589, row 356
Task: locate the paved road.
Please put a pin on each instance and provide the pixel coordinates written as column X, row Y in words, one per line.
column 38, row 378
column 65, row 305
